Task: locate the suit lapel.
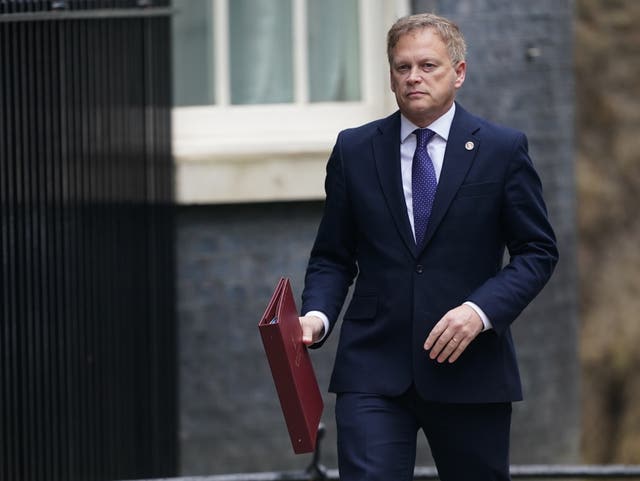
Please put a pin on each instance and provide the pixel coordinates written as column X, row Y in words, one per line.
column 462, row 147
column 386, row 150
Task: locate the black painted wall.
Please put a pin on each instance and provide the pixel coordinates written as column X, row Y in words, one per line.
column 229, row 259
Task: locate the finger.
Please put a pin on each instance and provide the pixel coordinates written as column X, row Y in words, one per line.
column 434, row 335
column 441, row 344
column 307, row 338
column 459, row 350
column 307, row 332
column 449, row 348
column 312, row 329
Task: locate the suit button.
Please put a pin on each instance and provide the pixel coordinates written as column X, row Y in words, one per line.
column 419, row 269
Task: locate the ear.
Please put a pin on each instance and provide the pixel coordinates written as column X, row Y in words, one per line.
column 461, row 71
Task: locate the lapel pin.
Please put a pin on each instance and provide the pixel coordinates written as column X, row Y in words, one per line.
column 469, row 145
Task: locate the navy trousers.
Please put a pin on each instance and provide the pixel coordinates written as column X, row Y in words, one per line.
column 377, row 438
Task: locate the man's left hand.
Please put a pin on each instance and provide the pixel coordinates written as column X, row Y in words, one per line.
column 453, row 333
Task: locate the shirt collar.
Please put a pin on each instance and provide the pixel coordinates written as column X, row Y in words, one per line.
column 441, row 126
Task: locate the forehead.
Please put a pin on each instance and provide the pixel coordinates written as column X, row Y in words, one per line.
column 422, row 41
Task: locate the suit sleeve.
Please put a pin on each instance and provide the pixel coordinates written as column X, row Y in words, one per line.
column 332, row 265
column 529, row 239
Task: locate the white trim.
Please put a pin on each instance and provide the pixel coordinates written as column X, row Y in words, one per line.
column 221, row 48
column 300, row 44
column 402, row 8
column 251, row 179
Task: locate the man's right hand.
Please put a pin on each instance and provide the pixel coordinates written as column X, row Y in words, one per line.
column 312, row 329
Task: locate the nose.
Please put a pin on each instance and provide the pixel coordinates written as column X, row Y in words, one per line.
column 414, row 75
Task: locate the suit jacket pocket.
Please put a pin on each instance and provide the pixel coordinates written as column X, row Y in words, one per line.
column 362, row 307
column 480, row 189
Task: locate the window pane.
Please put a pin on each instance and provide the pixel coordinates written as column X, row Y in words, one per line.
column 193, row 82
column 334, row 50
column 260, row 51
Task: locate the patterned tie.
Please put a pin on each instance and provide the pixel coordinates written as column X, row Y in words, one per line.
column 423, row 184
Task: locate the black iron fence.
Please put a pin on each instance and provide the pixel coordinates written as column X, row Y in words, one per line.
column 87, row 344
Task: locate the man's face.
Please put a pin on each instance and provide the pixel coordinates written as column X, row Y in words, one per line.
column 422, row 76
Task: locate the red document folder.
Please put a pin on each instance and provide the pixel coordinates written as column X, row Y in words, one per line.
column 291, row 368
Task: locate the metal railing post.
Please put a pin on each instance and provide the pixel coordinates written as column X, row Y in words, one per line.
column 315, row 470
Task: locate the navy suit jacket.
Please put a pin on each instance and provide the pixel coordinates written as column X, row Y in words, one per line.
column 489, row 198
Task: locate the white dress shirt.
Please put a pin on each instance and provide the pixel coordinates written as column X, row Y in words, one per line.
column 436, row 148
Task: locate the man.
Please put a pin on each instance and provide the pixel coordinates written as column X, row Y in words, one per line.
column 421, row 206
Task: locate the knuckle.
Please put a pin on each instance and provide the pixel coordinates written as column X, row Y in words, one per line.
column 456, row 323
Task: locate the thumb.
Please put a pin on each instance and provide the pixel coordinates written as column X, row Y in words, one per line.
column 307, row 333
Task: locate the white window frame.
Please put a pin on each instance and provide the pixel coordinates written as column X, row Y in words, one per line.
column 236, row 153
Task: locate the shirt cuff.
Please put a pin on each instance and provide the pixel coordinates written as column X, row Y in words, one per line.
column 325, row 321
column 485, row 320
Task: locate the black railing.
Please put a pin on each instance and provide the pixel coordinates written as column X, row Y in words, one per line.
column 87, row 324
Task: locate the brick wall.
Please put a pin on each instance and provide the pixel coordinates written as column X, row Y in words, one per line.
column 230, row 257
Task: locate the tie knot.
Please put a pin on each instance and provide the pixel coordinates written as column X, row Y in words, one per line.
column 423, row 136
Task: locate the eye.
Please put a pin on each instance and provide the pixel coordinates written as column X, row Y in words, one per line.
column 402, row 68
column 428, row 66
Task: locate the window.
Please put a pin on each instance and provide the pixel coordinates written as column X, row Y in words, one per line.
column 260, row 84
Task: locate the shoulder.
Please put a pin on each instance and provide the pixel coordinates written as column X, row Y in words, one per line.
column 371, row 129
column 488, row 130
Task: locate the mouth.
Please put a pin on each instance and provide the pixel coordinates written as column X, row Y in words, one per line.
column 415, row 94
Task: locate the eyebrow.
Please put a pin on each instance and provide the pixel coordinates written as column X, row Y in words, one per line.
column 421, row 61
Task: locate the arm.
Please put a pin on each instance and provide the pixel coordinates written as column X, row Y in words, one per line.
column 529, row 239
column 332, row 265
column 533, row 255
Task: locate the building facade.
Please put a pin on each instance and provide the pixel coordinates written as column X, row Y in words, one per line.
column 261, row 89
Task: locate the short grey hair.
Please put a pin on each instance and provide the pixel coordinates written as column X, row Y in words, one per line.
column 448, row 31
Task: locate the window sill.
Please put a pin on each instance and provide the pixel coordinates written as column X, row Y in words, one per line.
column 251, row 175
